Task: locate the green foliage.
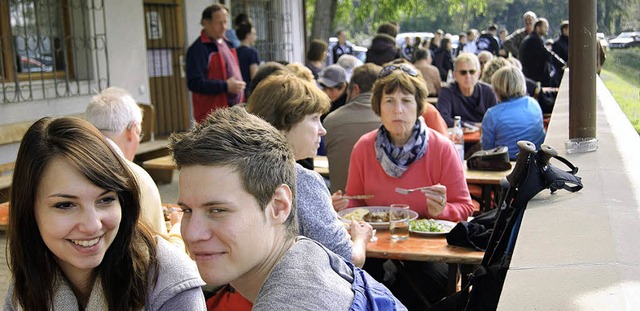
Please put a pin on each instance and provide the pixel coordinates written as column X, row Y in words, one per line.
column 621, row 75
column 362, row 17
column 625, row 63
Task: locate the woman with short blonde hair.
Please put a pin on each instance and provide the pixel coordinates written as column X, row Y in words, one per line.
column 508, row 84
column 516, row 117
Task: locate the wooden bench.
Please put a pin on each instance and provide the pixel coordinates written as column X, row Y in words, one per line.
column 5, row 185
column 4, row 215
column 151, row 148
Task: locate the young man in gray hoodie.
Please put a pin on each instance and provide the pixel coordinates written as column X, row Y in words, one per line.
column 237, row 192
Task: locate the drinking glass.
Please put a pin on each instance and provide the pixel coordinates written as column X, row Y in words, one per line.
column 399, row 222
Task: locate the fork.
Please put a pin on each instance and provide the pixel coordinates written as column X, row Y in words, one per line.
column 407, row 191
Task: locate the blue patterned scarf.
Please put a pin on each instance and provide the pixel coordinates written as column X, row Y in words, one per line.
column 396, row 160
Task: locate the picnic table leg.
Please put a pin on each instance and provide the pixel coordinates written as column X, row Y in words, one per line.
column 452, row 285
column 486, row 198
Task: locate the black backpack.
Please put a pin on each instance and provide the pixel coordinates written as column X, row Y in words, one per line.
column 496, row 231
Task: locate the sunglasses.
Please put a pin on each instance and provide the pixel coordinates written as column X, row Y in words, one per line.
column 389, row 69
column 464, row 72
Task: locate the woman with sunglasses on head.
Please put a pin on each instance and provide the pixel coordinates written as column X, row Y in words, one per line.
column 465, row 96
column 405, row 153
column 75, row 242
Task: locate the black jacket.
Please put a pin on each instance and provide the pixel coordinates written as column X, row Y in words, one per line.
column 383, row 49
column 561, row 47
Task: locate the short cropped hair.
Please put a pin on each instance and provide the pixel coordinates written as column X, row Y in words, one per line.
column 564, row 25
column 529, row 14
column 491, row 67
column 365, row 76
column 539, row 22
column 388, row 29
column 301, row 71
column 265, row 70
column 508, row 82
column 284, row 100
column 113, row 110
column 234, row 138
column 208, row 11
column 467, row 58
column 420, row 54
column 398, row 79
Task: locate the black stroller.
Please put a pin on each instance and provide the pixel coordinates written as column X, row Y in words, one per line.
column 532, row 173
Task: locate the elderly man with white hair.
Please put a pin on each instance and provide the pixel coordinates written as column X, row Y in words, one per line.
column 512, row 42
column 116, row 114
column 466, row 96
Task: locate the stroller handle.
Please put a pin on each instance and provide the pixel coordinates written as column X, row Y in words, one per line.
column 545, row 153
column 526, row 148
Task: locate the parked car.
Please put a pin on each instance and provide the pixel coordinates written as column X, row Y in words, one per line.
column 603, row 41
column 424, row 35
column 625, row 40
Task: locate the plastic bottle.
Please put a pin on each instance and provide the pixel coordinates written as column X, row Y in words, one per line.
column 458, row 137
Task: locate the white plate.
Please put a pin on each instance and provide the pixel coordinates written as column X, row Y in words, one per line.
column 373, row 209
column 448, row 225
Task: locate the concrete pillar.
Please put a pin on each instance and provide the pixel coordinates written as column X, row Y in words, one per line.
column 582, row 64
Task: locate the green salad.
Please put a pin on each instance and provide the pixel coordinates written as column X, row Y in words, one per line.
column 426, row 225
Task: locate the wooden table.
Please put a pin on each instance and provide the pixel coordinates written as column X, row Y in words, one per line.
column 418, row 248
column 161, row 163
column 488, row 180
column 430, row 249
column 4, row 216
column 472, row 137
column 320, row 163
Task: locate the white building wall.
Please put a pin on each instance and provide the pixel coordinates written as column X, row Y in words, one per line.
column 192, row 14
column 127, row 69
column 127, row 47
column 297, row 22
column 128, row 60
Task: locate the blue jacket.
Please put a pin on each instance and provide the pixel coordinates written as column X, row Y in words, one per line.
column 508, row 122
column 371, row 295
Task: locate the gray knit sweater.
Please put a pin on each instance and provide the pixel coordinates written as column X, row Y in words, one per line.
column 316, row 217
column 308, row 277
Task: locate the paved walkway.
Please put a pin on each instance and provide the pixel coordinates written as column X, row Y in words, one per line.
column 168, row 192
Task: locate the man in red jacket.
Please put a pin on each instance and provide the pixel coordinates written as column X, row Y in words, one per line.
column 213, row 73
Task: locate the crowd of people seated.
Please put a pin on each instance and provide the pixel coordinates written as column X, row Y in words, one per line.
column 256, row 223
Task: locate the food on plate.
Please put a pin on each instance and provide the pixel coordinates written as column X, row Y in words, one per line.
column 376, row 217
column 427, row 225
column 357, row 214
column 360, row 214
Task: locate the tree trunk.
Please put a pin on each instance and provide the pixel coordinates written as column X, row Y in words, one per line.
column 607, row 17
column 323, row 19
